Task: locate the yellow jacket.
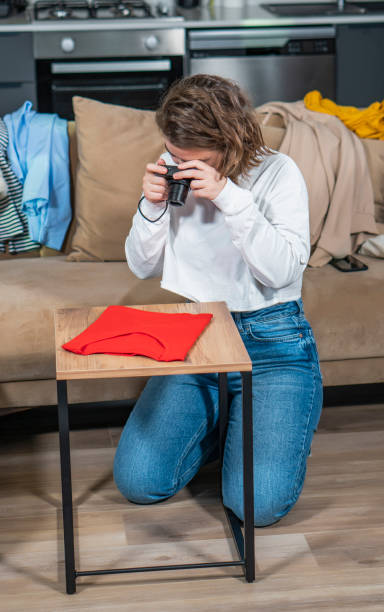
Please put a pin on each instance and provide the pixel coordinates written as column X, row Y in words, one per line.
column 366, row 123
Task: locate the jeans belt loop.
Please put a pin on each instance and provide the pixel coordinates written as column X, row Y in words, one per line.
column 238, row 320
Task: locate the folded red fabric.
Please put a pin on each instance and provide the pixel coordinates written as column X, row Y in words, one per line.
column 121, row 330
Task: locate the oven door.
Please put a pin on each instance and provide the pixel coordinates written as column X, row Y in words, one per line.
column 138, row 83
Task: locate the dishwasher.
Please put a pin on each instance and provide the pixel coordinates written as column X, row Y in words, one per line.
column 270, row 64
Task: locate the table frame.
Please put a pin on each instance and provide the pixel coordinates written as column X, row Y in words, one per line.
column 244, row 542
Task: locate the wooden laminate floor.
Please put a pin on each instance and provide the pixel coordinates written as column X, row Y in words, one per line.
column 327, row 554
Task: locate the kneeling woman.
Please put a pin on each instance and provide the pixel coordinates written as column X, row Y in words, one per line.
column 243, row 238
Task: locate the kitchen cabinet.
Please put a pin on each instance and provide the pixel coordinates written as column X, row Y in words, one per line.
column 359, row 66
column 17, row 71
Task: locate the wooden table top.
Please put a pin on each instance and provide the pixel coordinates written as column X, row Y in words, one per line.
column 218, row 349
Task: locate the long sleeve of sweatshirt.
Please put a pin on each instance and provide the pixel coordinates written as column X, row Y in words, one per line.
column 144, row 246
column 273, row 235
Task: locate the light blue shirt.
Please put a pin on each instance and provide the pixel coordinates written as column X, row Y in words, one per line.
column 38, row 154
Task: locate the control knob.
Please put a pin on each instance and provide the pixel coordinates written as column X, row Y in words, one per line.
column 151, row 42
column 67, row 44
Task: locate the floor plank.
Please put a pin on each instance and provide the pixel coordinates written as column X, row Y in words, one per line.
column 327, row 554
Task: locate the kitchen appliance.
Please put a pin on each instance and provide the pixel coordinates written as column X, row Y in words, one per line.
column 130, row 66
column 269, row 63
column 63, row 10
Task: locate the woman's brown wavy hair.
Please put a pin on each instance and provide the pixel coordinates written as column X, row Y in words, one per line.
column 209, row 112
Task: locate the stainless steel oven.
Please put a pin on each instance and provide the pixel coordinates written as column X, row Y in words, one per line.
column 106, row 50
column 269, row 63
column 110, row 66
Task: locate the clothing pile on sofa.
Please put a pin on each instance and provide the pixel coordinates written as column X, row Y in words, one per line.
column 334, row 165
column 364, row 122
column 13, row 221
column 35, row 206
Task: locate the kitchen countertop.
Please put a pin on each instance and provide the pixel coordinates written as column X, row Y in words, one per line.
column 221, row 15
column 251, row 14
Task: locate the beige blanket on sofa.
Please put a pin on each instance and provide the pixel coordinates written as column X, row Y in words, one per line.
column 334, row 165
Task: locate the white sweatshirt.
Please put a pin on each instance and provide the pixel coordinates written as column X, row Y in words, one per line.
column 248, row 247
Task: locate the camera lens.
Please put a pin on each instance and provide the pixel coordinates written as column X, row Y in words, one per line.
column 177, row 193
column 177, row 188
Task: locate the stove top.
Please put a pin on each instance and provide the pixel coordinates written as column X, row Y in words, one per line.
column 64, row 10
column 121, row 9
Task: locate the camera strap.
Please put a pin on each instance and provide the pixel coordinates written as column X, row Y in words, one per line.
column 147, row 218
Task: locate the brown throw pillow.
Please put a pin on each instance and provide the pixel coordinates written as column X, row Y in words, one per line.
column 114, row 145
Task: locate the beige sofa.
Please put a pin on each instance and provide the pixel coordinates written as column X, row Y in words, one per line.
column 109, row 149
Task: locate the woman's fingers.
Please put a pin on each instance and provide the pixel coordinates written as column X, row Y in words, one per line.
column 193, row 173
column 154, row 185
column 158, row 167
column 197, row 184
column 153, row 179
column 193, row 163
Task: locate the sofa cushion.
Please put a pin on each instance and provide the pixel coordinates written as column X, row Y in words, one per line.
column 114, row 145
column 32, row 288
column 346, row 310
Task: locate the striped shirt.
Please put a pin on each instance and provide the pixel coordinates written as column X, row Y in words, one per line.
column 13, row 222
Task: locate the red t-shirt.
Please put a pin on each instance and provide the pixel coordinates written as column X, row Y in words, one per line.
column 121, row 330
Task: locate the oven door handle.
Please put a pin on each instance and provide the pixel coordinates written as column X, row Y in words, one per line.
column 108, row 88
column 99, row 67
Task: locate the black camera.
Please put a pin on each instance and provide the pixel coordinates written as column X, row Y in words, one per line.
column 177, row 188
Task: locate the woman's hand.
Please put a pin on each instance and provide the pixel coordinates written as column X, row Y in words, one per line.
column 206, row 180
column 155, row 188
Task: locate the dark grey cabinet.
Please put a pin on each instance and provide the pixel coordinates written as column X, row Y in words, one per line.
column 17, row 71
column 359, row 65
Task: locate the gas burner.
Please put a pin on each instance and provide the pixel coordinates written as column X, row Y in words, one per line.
column 45, row 10
column 67, row 10
column 61, row 13
column 121, row 9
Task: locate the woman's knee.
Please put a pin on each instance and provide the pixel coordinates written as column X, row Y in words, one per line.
column 141, row 482
column 268, row 513
column 268, row 508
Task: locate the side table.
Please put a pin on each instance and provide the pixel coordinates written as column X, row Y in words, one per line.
column 219, row 349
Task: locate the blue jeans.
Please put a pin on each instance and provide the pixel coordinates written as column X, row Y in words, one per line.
column 173, row 428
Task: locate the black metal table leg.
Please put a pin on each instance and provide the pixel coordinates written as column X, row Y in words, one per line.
column 66, row 486
column 245, row 544
column 249, row 541
column 223, row 412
